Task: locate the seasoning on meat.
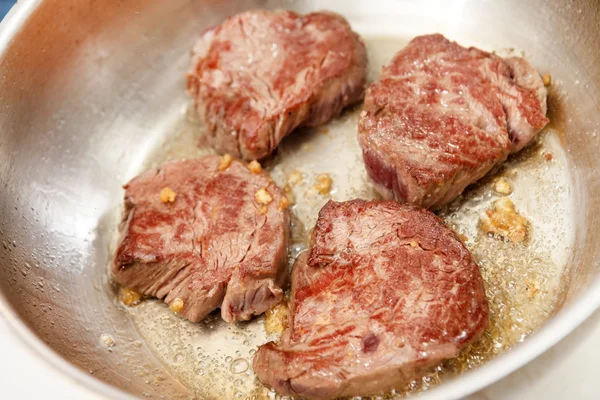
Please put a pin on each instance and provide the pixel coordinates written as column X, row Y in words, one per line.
column 167, row 195
column 255, row 166
column 207, row 248
column 263, row 197
column 225, row 162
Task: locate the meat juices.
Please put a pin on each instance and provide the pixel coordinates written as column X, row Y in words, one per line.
column 204, row 234
column 385, row 292
column 441, row 116
column 261, row 74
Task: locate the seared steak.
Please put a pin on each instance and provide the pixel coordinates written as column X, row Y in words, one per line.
column 385, row 292
column 210, row 244
column 441, row 116
column 261, row 74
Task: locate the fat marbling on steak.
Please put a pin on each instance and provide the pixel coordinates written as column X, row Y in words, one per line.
column 261, row 74
column 385, row 292
column 214, row 245
column 441, row 116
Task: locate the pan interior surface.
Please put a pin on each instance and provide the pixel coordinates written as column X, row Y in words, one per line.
column 92, row 95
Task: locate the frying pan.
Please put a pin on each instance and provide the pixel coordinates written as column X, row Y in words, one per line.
column 92, row 93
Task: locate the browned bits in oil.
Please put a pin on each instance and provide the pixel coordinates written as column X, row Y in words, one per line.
column 289, row 194
column 167, row 195
column 502, row 186
column 283, row 203
column 294, row 178
column 107, row 340
column 505, row 221
column 224, row 162
column 547, row 79
column 263, row 197
column 548, row 156
column 177, row 305
column 323, row 184
column 276, row 319
column 254, row 167
column 531, row 288
column 129, row 297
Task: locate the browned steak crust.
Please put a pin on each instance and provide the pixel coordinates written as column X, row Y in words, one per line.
column 213, row 246
column 261, row 74
column 441, row 116
column 385, row 291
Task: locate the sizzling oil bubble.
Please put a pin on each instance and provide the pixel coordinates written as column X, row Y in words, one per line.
column 522, row 281
column 239, row 366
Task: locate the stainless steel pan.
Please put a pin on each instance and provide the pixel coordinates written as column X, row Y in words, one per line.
column 91, row 93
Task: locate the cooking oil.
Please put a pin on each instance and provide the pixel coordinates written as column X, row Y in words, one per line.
column 522, row 280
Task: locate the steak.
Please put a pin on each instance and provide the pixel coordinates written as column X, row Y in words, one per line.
column 261, row 74
column 211, row 244
column 441, row 116
column 385, row 292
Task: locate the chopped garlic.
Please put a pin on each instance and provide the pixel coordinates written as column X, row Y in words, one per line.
column 177, row 305
column 276, row 319
column 502, row 186
column 167, row 195
column 129, row 297
column 107, row 340
column 254, row 166
column 224, row 162
column 323, row 184
column 263, row 197
column 294, row 178
column 283, row 203
column 547, row 79
column 504, row 220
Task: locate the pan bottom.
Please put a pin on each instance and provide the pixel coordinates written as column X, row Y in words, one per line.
column 524, row 282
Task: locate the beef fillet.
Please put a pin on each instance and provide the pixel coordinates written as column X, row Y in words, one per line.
column 385, row 292
column 441, row 116
column 204, row 234
column 261, row 74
